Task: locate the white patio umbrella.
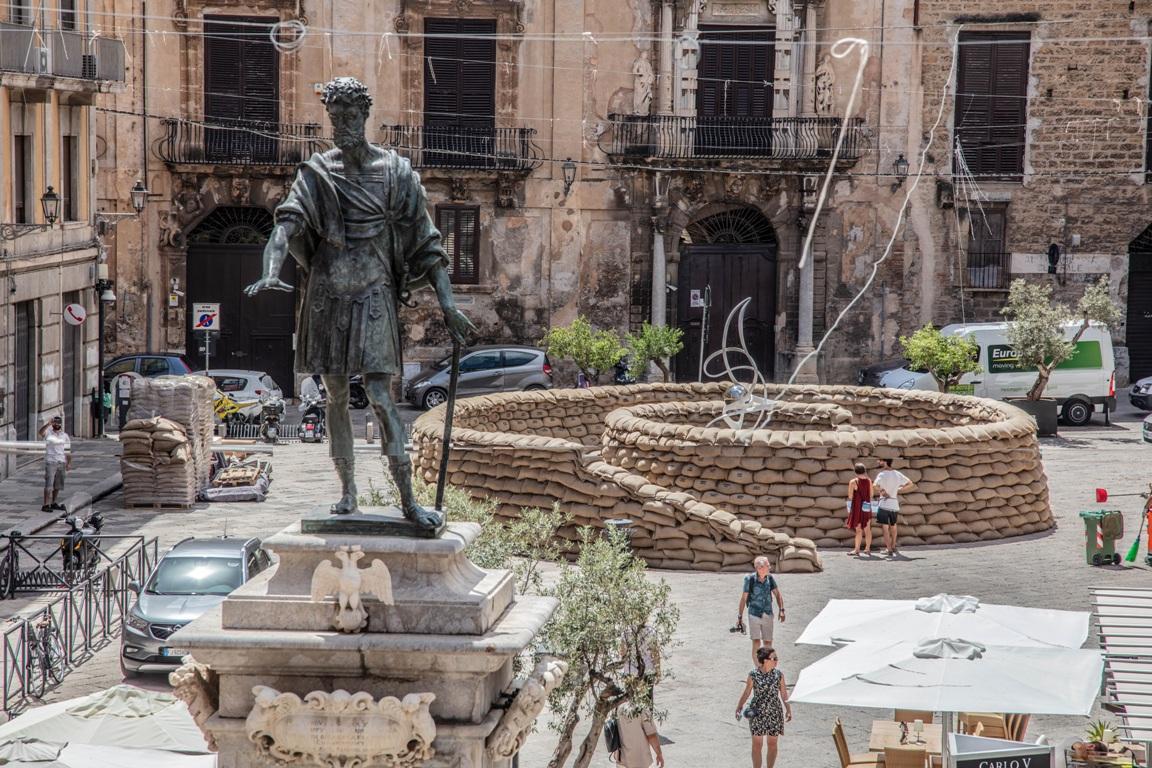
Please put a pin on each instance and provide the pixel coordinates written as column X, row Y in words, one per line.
column 25, row 752
column 122, row 716
column 951, row 675
column 843, row 621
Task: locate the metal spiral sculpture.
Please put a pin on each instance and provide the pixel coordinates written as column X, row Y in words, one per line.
column 743, row 409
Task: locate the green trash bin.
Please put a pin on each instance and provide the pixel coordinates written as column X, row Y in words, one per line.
column 1110, row 524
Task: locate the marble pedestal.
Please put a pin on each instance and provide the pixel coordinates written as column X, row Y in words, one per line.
column 449, row 629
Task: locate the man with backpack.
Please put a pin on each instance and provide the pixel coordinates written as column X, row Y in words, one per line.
column 759, row 590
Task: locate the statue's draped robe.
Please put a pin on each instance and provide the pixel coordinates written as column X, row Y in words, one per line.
column 361, row 254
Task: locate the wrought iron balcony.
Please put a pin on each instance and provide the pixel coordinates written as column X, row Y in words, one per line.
column 465, row 148
column 664, row 137
column 60, row 53
column 237, row 142
column 988, row 270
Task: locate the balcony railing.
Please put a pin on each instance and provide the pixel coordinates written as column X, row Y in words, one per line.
column 635, row 137
column 60, row 53
column 988, row 270
column 465, row 148
column 238, row 142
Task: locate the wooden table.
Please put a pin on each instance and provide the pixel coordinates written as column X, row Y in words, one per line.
column 886, row 733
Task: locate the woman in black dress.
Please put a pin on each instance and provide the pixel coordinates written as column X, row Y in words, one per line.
column 769, row 708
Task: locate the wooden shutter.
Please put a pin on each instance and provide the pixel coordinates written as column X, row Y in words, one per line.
column 735, row 72
column 460, row 91
column 459, row 227
column 21, row 154
column 991, row 102
column 241, row 83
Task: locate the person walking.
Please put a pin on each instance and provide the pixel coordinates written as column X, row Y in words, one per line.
column 769, row 708
column 759, row 590
column 860, row 509
column 889, row 484
column 57, row 461
column 639, row 742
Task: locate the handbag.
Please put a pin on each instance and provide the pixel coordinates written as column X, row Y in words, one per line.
column 611, row 735
column 750, row 713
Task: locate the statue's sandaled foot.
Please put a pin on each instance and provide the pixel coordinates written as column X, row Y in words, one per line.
column 425, row 518
column 346, row 505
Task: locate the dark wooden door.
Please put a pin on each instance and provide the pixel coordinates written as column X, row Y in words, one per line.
column 734, row 90
column 460, row 92
column 1139, row 326
column 25, row 391
column 241, row 89
column 72, row 365
column 256, row 332
column 730, row 273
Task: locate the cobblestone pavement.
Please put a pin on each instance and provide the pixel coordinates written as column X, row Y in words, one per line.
column 1043, row 570
column 95, row 473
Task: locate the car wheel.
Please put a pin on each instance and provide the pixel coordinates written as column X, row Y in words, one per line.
column 1077, row 413
column 433, row 398
column 535, row 388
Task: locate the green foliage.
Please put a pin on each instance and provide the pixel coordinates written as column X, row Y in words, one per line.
column 1101, row 731
column 653, row 344
column 610, row 614
column 947, row 358
column 1036, row 325
column 592, row 351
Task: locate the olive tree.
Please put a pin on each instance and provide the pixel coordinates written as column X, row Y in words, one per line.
column 591, row 350
column 1036, row 325
column 947, row 358
column 653, row 344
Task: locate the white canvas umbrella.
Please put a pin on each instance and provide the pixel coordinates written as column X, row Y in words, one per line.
column 24, row 752
column 951, row 675
column 122, row 716
column 844, row 621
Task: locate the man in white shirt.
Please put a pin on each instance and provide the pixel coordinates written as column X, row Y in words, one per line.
column 639, row 741
column 57, row 461
column 888, row 485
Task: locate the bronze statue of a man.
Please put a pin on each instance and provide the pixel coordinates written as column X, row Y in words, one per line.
column 356, row 222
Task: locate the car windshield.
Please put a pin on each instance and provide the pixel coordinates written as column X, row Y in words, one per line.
column 196, row 576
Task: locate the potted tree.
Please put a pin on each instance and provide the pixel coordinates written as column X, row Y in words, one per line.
column 1036, row 331
column 656, row 345
column 946, row 358
column 592, row 351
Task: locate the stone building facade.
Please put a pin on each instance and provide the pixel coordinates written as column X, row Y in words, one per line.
column 55, row 66
column 643, row 161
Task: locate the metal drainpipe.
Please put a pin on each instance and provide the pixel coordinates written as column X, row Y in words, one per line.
column 144, row 161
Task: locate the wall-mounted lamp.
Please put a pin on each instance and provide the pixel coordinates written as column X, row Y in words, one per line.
column 899, row 171
column 569, row 169
column 139, row 196
column 104, row 288
column 50, row 205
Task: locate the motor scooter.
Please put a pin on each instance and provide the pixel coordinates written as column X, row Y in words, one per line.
column 79, row 549
column 357, row 397
column 271, row 412
column 312, row 426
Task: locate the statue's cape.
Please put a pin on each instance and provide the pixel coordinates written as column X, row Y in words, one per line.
column 335, row 209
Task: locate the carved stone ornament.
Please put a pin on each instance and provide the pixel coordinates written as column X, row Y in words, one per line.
column 188, row 200
column 347, row 583
column 401, row 24
column 505, row 191
column 171, row 236
column 825, row 78
column 693, row 188
column 458, row 188
column 517, row 721
column 342, row 729
column 198, row 687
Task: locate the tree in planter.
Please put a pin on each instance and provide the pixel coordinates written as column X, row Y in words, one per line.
column 610, row 620
column 653, row 344
column 947, row 358
column 592, row 351
column 1036, row 325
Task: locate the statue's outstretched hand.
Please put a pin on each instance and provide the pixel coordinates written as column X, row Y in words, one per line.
column 267, row 284
column 459, row 326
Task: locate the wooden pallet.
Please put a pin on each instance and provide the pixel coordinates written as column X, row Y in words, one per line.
column 158, row 505
column 233, row 477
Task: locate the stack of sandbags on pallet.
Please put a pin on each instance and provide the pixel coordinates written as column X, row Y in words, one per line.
column 155, row 463
column 185, row 401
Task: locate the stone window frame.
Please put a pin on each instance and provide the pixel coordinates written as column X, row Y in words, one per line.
column 473, row 278
column 508, row 15
column 994, row 270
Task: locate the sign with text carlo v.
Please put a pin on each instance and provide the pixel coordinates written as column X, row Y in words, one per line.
column 1002, row 358
column 205, row 316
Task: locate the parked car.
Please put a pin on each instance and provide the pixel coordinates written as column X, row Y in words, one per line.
column 483, row 370
column 1079, row 385
column 243, row 386
column 147, row 364
column 191, row 579
column 1146, row 429
column 871, row 375
column 1140, row 395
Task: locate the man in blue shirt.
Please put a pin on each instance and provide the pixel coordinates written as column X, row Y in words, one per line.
column 759, row 589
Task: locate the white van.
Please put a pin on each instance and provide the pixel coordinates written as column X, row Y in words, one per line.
column 1079, row 384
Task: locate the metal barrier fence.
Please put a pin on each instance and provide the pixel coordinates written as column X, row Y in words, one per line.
column 87, row 617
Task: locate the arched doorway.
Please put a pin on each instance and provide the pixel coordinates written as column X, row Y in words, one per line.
column 1138, row 336
column 727, row 256
column 225, row 254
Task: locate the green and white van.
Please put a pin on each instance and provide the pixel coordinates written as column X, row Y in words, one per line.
column 1079, row 384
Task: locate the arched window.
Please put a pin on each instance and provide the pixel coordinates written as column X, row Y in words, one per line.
column 233, row 226
column 736, row 225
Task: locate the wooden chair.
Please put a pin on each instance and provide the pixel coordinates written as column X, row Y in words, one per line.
column 1017, row 726
column 994, row 725
column 908, row 715
column 848, row 759
column 905, row 757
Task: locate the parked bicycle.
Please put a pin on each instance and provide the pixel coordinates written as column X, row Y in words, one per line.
column 44, row 655
column 10, row 565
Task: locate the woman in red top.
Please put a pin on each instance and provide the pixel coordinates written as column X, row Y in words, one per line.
column 860, row 509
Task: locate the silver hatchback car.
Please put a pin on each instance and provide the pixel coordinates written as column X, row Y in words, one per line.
column 483, row 370
column 191, row 579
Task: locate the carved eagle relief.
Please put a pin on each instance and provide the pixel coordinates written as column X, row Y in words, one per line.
column 347, row 583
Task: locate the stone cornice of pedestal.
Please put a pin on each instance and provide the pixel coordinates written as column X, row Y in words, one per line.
column 435, row 588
